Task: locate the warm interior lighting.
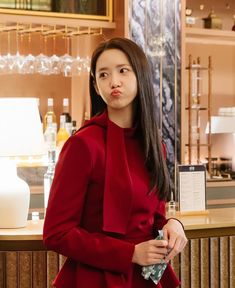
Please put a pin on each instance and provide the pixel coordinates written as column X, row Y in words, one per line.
column 20, row 135
column 224, row 124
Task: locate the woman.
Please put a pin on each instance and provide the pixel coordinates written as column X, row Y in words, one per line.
column 107, row 200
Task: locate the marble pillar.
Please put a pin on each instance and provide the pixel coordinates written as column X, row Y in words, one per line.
column 155, row 25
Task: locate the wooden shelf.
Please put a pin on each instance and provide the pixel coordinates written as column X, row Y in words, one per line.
column 225, row 183
column 209, row 36
column 197, row 108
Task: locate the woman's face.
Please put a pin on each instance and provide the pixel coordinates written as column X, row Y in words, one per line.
column 116, row 82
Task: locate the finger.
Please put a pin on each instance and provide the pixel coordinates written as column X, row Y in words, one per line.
column 157, row 259
column 165, row 234
column 160, row 243
column 175, row 250
column 172, row 240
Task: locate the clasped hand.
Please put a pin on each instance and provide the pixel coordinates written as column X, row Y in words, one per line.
column 158, row 251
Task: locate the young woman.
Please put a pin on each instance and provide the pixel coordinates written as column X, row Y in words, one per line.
column 107, row 200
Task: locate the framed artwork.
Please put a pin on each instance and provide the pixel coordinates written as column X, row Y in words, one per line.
column 82, row 9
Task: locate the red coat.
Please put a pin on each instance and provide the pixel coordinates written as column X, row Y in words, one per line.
column 99, row 208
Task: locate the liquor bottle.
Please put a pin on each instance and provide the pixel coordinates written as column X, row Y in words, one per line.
column 74, row 127
column 62, row 134
column 65, row 112
column 50, row 111
column 50, row 134
column 172, row 205
column 50, row 140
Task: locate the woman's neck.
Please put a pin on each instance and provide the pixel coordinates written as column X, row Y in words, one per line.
column 123, row 119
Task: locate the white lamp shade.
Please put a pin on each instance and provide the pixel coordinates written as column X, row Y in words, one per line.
column 221, row 124
column 21, row 131
column 21, row 134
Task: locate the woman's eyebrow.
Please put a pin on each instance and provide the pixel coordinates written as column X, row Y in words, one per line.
column 118, row 66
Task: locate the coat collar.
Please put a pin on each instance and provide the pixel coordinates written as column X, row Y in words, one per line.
column 118, row 190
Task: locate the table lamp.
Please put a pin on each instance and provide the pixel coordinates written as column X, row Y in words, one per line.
column 20, row 135
column 224, row 124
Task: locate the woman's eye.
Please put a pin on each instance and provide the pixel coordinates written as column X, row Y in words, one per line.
column 123, row 70
column 103, row 75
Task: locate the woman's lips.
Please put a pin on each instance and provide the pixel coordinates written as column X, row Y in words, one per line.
column 116, row 92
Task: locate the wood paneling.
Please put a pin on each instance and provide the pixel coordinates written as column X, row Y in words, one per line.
column 11, row 270
column 52, row 267
column 204, row 263
column 214, row 261
column 2, row 269
column 185, row 267
column 25, row 269
column 39, row 269
column 224, row 262
column 195, row 263
column 232, row 261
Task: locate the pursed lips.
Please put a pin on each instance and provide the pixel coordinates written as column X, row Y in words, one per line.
column 115, row 92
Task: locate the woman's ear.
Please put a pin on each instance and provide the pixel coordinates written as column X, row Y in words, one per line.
column 96, row 88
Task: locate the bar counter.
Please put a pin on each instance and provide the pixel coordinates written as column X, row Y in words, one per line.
column 207, row 261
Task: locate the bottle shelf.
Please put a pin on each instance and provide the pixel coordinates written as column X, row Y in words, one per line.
column 198, row 144
column 197, row 108
column 196, row 68
column 209, row 36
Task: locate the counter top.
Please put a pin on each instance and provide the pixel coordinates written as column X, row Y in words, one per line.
column 215, row 218
column 33, row 231
column 223, row 218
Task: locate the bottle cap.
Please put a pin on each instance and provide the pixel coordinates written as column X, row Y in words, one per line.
column 49, row 119
column 50, row 101
column 62, row 119
column 65, row 102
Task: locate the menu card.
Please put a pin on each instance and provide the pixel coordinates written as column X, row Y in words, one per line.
column 192, row 188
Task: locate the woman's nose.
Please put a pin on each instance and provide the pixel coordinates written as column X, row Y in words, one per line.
column 115, row 82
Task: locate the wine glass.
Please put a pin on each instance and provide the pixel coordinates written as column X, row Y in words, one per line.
column 28, row 65
column 55, row 60
column 42, row 61
column 66, row 60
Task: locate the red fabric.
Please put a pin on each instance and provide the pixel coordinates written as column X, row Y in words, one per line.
column 75, row 218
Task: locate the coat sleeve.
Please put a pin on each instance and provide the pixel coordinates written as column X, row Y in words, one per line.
column 62, row 232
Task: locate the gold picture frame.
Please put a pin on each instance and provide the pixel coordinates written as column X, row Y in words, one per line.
column 26, row 12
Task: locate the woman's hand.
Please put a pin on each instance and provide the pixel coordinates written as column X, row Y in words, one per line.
column 174, row 234
column 150, row 252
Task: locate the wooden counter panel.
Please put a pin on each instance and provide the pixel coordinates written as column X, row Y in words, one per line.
column 175, row 263
column 232, row 261
column 52, row 266
column 208, row 260
column 195, row 263
column 26, row 245
column 208, row 233
column 39, row 269
column 2, row 269
column 11, row 269
column 224, row 262
column 25, row 269
column 185, row 266
column 205, row 263
column 214, row 262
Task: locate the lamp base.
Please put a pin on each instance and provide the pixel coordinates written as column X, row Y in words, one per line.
column 14, row 197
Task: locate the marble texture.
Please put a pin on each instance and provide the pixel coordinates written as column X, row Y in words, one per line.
column 155, row 25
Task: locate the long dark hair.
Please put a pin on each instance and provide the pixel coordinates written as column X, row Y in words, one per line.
column 145, row 109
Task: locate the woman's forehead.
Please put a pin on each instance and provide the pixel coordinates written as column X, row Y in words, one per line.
column 112, row 57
